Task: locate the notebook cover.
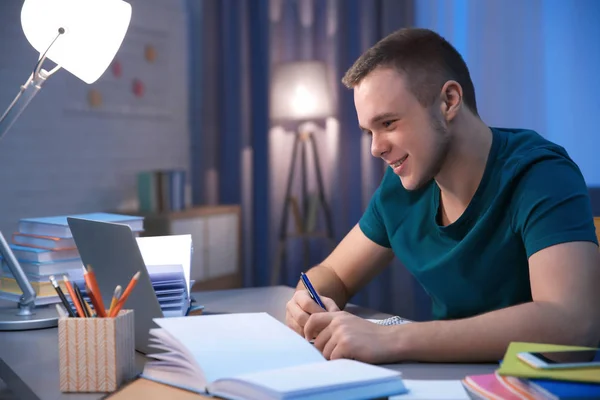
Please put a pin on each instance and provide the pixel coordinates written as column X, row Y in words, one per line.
column 61, row 220
column 143, row 388
column 512, row 366
column 489, row 387
column 58, row 225
column 565, row 389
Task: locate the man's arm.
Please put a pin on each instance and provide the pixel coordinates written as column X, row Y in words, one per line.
column 565, row 285
column 352, row 264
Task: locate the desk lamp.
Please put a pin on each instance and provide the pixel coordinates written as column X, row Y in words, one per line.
column 300, row 93
column 82, row 37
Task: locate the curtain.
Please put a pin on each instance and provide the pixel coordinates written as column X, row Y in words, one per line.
column 229, row 70
column 336, row 32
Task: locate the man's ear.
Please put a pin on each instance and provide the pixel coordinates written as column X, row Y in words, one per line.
column 451, row 98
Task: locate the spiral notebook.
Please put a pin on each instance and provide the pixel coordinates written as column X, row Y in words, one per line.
column 395, row 320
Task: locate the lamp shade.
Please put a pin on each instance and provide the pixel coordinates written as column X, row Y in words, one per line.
column 94, row 32
column 300, row 91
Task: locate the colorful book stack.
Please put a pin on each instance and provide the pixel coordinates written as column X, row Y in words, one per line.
column 517, row 380
column 44, row 246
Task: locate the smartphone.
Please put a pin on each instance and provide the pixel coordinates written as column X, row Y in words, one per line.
column 562, row 359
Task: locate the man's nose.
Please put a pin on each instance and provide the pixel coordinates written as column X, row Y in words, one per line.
column 378, row 146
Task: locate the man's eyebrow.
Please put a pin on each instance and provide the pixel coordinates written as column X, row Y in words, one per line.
column 378, row 118
column 382, row 117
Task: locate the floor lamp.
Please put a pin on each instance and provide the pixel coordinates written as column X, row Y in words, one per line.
column 83, row 38
column 300, row 93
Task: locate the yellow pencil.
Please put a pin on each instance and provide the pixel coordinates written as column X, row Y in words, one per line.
column 89, row 309
column 115, row 298
column 115, row 311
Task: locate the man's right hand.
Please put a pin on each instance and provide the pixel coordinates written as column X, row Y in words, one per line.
column 301, row 306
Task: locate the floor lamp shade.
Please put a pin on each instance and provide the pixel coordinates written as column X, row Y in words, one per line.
column 94, row 31
column 300, row 91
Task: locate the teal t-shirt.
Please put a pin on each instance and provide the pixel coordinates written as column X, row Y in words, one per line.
column 531, row 196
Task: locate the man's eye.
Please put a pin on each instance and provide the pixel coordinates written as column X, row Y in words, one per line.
column 387, row 124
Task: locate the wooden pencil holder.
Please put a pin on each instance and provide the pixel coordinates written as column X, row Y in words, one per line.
column 96, row 354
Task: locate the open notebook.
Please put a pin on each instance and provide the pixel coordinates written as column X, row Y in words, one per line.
column 168, row 260
column 254, row 356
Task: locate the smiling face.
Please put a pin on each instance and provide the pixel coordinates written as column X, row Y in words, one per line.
column 412, row 139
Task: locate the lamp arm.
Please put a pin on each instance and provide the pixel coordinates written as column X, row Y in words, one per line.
column 38, row 66
column 27, row 300
column 27, row 92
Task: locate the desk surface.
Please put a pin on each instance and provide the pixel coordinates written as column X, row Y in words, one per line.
column 29, row 359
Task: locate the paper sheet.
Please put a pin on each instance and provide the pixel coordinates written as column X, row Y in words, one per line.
column 433, row 390
column 232, row 344
column 168, row 250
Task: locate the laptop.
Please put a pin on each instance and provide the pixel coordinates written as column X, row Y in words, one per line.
column 112, row 251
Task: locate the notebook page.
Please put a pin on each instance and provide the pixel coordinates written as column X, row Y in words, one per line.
column 325, row 378
column 168, row 250
column 433, row 389
column 232, row 344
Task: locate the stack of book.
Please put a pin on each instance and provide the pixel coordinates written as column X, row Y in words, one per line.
column 44, row 246
column 517, row 379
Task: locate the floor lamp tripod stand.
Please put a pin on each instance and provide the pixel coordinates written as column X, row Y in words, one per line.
column 302, row 141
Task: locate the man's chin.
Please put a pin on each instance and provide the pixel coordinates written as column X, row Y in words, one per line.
column 407, row 183
column 410, row 184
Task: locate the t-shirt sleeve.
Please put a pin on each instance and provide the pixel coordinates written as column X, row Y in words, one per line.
column 371, row 223
column 553, row 204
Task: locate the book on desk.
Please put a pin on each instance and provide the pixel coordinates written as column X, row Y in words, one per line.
column 44, row 246
column 254, row 356
column 514, row 379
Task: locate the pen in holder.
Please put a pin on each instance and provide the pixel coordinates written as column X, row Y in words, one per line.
column 96, row 354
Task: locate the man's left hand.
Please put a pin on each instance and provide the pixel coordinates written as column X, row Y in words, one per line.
column 343, row 335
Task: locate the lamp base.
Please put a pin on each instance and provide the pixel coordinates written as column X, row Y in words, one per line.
column 42, row 317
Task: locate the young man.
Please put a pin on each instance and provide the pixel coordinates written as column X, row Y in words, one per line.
column 496, row 224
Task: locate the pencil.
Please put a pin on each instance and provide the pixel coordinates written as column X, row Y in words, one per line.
column 89, row 309
column 93, row 291
column 115, row 311
column 115, row 298
column 81, row 301
column 62, row 297
column 73, row 297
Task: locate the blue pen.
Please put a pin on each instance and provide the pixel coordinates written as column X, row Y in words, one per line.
column 311, row 291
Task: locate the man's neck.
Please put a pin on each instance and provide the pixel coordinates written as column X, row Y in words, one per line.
column 464, row 166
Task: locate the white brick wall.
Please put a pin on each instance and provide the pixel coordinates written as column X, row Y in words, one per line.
column 61, row 158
